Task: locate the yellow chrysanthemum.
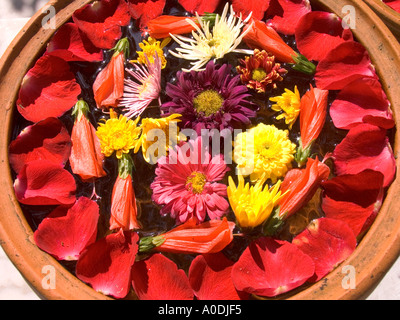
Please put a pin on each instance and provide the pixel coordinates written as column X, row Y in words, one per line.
column 149, row 49
column 263, row 152
column 289, row 103
column 157, row 132
column 117, row 135
column 252, row 205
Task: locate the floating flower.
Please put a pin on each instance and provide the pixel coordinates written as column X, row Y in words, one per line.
column 101, row 21
column 158, row 278
column 186, row 184
column 209, row 99
column 258, row 35
column 319, row 32
column 106, row 264
column 320, row 234
column 162, row 26
column 263, row 152
column 145, row 11
column 137, row 96
column 152, row 48
column 108, row 88
column 190, row 237
column 86, row 159
column 313, row 111
column 210, row 278
column 260, row 71
column 45, row 140
column 270, row 267
column 360, row 194
column 117, row 135
column 160, row 128
column 225, row 37
column 67, row 231
column 49, row 89
column 289, row 104
column 252, row 205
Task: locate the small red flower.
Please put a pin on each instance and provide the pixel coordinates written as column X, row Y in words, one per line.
column 210, row 278
column 190, row 237
column 71, row 44
column 270, row 267
column 342, row 65
column 108, row 88
column 361, row 101
column 353, row 198
column 328, row 242
column 162, row 26
column 365, row 147
column 106, row 264
column 101, row 21
column 67, row 231
column 257, row 8
column 86, row 159
column 318, row 32
column 286, row 14
column 49, row 89
column 158, row 278
column 45, row 140
column 144, row 11
column 42, row 182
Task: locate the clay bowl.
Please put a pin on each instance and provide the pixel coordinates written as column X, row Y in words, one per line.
column 373, row 257
column 389, row 16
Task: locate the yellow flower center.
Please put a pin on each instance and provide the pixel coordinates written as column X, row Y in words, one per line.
column 196, row 182
column 209, row 102
column 149, row 49
column 258, row 74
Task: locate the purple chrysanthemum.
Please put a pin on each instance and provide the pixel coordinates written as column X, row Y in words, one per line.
column 209, row 99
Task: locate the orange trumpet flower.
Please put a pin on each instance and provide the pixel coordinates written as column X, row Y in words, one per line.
column 208, row 237
column 162, row 26
column 261, row 36
column 313, row 109
column 108, row 87
column 86, row 159
column 123, row 200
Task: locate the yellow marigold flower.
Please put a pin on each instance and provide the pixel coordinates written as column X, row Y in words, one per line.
column 157, row 132
column 252, row 205
column 263, row 152
column 117, row 134
column 289, row 103
column 149, row 49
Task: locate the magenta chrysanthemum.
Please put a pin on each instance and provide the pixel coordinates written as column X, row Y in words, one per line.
column 186, row 183
column 209, row 99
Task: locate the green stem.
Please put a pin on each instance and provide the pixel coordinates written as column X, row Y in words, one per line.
column 274, row 223
column 80, row 109
column 122, row 46
column 302, row 64
column 125, row 166
column 302, row 155
column 149, row 243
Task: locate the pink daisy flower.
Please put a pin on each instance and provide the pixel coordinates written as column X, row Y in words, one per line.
column 186, row 183
column 139, row 94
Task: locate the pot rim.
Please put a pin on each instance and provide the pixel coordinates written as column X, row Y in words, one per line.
column 16, row 236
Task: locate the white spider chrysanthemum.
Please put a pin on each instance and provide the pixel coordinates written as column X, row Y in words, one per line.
column 138, row 95
column 225, row 37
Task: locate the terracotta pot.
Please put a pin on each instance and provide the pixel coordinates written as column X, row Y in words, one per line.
column 389, row 16
column 372, row 258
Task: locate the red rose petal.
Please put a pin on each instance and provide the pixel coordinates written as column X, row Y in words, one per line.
column 270, row 267
column 210, row 278
column 47, row 139
column 66, row 231
column 257, row 8
column 106, row 264
column 158, row 278
column 342, row 65
column 286, row 14
column 70, row 44
column 145, row 10
column 49, row 89
column 101, row 21
column 328, row 242
column 354, row 198
column 318, row 32
column 42, row 182
column 365, row 147
column 361, row 101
